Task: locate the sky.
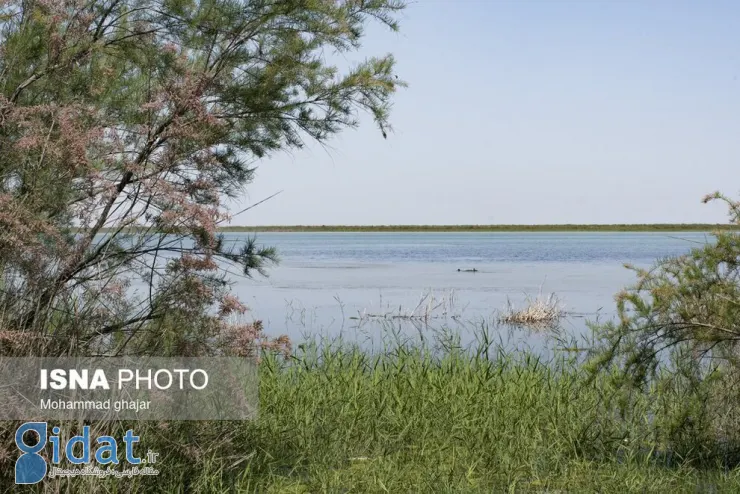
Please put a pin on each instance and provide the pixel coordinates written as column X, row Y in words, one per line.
column 532, row 112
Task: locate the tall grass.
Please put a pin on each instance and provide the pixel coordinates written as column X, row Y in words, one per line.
column 424, row 418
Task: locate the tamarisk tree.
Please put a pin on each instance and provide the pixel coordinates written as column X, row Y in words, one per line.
column 686, row 307
column 124, row 124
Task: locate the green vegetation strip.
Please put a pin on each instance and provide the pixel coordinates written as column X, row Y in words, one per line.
column 487, row 228
column 658, row 227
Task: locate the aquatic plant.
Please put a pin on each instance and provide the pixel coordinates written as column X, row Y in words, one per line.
column 540, row 311
column 430, row 306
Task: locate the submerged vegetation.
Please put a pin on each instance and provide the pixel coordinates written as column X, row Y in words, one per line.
column 430, row 307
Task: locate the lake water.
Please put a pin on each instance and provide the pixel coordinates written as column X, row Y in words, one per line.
column 332, row 284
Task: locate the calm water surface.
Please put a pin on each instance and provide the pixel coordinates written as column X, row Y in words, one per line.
column 326, row 281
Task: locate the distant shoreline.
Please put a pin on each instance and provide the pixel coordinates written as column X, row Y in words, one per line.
column 484, row 228
column 658, row 227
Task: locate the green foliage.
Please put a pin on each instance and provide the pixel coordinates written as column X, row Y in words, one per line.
column 685, row 312
column 677, row 334
column 121, row 120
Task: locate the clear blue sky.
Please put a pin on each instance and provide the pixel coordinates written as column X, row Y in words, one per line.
column 533, row 112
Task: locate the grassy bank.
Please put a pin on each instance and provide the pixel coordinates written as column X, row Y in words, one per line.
column 486, row 228
column 340, row 420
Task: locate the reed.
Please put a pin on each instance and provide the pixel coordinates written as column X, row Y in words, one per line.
column 540, row 311
column 434, row 417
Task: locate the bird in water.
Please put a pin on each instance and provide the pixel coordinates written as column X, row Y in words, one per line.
column 467, row 270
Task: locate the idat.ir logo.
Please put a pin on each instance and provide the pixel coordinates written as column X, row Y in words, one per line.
column 32, row 437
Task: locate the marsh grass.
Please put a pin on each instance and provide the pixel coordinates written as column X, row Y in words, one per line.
column 542, row 311
column 433, row 417
column 429, row 307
